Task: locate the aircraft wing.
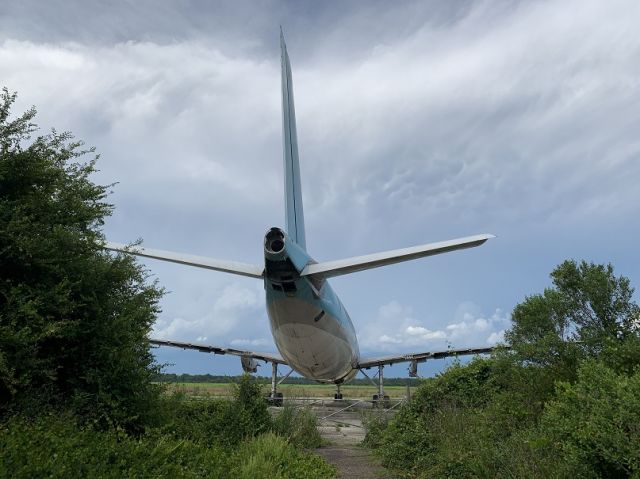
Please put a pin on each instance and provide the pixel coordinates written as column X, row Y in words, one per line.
column 422, row 357
column 269, row 357
column 243, row 269
column 360, row 263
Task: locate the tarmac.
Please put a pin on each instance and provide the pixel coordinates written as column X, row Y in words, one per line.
column 341, row 425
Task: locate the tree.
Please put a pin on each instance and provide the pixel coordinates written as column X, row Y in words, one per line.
column 73, row 318
column 587, row 311
column 593, row 425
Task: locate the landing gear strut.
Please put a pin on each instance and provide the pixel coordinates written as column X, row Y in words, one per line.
column 338, row 394
column 380, row 398
column 275, row 397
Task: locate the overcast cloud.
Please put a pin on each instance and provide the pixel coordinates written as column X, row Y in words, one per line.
column 417, row 122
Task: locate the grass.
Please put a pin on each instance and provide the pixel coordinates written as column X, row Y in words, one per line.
column 289, row 390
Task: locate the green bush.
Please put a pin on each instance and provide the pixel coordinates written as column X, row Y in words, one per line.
column 412, row 439
column 74, row 319
column 219, row 421
column 54, row 446
column 594, row 424
column 298, row 425
column 229, row 422
column 375, row 424
column 209, row 422
column 564, row 402
column 249, row 397
column 272, row 457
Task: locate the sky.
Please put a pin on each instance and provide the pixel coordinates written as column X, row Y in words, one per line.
column 418, row 121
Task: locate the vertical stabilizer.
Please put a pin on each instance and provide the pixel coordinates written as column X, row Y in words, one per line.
column 292, row 189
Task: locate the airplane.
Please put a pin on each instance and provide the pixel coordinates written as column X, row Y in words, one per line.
column 310, row 326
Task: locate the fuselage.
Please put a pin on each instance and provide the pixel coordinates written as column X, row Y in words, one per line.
column 310, row 326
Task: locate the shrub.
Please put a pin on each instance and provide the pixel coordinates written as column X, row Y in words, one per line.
column 272, row 457
column 594, row 424
column 55, row 446
column 298, row 425
column 74, row 320
column 219, row 421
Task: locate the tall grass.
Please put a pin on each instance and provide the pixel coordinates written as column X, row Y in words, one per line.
column 298, row 425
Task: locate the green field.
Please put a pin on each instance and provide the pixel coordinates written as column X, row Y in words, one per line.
column 289, row 390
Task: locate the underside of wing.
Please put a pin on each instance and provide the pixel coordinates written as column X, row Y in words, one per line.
column 203, row 348
column 233, row 267
column 360, row 263
column 424, row 356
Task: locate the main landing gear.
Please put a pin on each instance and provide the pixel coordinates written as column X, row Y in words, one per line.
column 275, row 398
column 380, row 399
column 338, row 394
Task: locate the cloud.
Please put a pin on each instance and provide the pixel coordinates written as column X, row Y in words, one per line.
column 396, row 330
column 496, row 337
column 447, row 119
column 477, row 330
column 232, row 310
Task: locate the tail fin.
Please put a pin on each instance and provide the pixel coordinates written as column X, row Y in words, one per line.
column 292, row 189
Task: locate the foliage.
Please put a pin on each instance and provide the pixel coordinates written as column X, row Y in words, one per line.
column 587, row 307
column 270, row 456
column 54, row 446
column 230, row 422
column 249, row 397
column 594, row 424
column 221, row 421
column 375, row 424
column 73, row 319
column 563, row 402
column 298, row 425
column 77, row 397
column 442, row 404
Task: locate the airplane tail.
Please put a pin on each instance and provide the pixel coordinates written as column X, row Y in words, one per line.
column 295, row 220
column 292, row 190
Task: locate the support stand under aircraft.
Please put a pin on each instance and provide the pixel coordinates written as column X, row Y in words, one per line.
column 311, row 328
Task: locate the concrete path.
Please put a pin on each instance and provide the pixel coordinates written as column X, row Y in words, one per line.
column 353, row 462
column 344, row 433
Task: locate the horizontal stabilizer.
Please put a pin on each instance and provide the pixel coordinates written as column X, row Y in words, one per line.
column 269, row 357
column 422, row 357
column 243, row 269
column 360, row 263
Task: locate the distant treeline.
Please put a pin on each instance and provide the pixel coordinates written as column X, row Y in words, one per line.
column 210, row 378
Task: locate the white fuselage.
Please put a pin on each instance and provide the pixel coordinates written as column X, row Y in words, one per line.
column 314, row 335
column 310, row 326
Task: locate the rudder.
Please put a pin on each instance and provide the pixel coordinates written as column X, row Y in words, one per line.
column 292, row 190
